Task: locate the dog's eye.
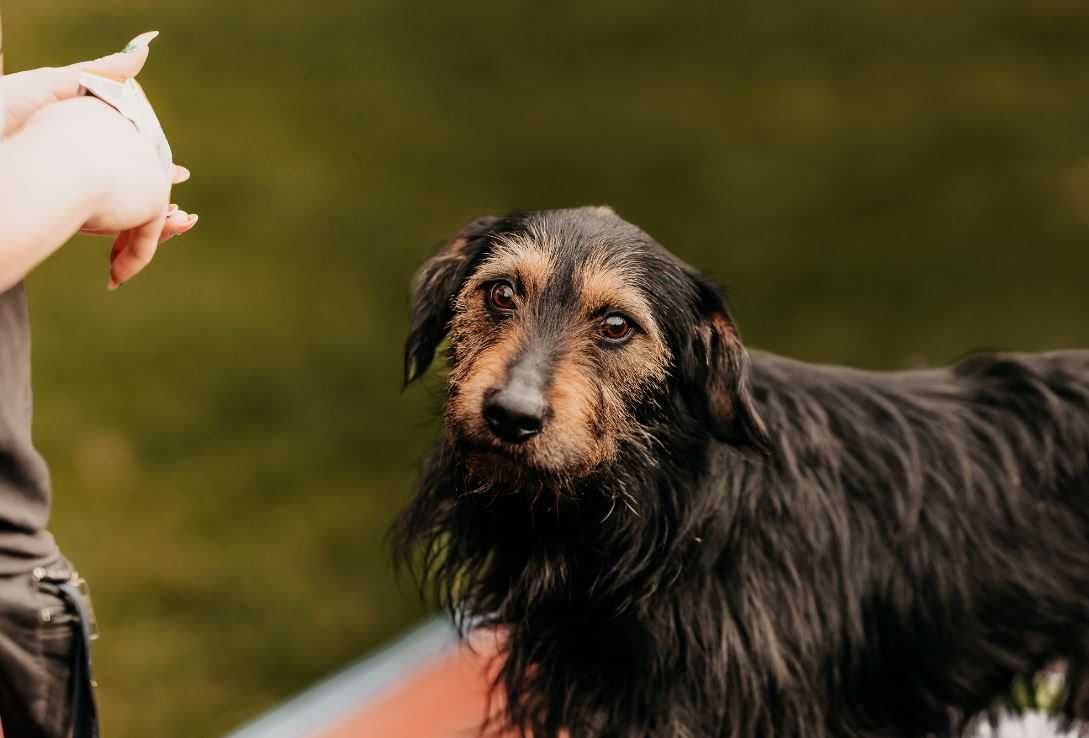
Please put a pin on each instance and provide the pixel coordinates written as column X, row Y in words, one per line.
column 501, row 296
column 616, row 328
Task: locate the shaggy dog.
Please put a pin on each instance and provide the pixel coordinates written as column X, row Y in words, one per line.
column 679, row 541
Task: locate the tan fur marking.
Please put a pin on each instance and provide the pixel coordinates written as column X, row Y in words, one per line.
column 720, row 395
column 519, row 259
column 578, row 443
column 471, row 379
column 605, row 286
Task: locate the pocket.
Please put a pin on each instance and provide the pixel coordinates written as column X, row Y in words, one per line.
column 56, row 644
column 24, row 682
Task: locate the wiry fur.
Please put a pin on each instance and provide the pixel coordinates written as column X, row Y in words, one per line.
column 777, row 549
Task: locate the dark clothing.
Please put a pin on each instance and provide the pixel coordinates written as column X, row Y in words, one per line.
column 45, row 687
column 24, row 477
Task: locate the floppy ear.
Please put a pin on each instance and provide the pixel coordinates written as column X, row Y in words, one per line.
column 723, row 372
column 433, row 290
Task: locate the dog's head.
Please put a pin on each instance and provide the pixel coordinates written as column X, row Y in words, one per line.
column 572, row 335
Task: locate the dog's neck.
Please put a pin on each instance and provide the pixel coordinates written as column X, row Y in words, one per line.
column 582, row 582
column 508, row 549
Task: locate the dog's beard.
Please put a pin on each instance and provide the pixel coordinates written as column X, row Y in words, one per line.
column 493, row 470
column 487, row 465
column 486, row 468
column 506, row 545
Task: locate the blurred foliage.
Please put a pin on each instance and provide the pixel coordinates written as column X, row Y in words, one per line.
column 880, row 183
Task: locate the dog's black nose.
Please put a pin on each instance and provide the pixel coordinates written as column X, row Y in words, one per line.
column 515, row 413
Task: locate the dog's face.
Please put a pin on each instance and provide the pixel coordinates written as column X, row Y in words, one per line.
column 570, row 333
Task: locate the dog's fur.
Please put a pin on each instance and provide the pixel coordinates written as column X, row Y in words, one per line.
column 701, row 545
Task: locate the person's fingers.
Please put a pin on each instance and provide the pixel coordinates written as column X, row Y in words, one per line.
column 119, row 244
column 92, row 231
column 131, row 256
column 124, row 64
column 177, row 223
column 181, row 174
column 30, row 91
column 62, row 83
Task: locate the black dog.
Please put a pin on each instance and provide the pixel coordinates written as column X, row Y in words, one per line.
column 680, row 542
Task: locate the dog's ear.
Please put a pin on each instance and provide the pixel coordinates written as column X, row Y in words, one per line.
column 721, row 373
column 434, row 288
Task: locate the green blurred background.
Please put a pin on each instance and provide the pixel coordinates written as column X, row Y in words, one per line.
column 880, row 183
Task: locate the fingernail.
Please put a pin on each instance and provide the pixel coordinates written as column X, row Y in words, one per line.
column 140, row 42
column 193, row 218
column 112, row 285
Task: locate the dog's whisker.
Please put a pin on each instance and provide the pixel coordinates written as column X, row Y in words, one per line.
column 612, row 506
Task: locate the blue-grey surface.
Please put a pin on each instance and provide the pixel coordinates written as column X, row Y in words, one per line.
column 324, row 705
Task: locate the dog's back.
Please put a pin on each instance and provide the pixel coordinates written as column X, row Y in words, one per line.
column 947, row 510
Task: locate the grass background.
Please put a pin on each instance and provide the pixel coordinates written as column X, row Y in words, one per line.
column 880, row 183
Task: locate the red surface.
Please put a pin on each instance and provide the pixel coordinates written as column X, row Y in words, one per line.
column 445, row 699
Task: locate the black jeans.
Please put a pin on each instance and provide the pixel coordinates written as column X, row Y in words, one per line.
column 45, row 688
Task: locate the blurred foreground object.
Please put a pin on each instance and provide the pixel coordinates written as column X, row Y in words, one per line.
column 428, row 684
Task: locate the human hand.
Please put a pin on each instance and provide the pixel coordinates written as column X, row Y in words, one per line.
column 25, row 93
column 131, row 185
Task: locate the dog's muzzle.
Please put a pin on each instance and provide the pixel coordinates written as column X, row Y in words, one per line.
column 518, row 411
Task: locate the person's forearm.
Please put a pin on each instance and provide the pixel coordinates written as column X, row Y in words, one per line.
column 48, row 189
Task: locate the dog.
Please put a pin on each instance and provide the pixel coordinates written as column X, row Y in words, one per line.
column 677, row 539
